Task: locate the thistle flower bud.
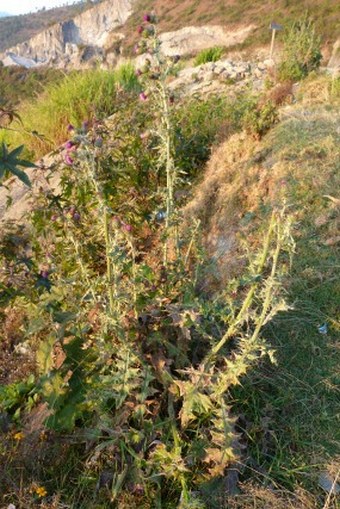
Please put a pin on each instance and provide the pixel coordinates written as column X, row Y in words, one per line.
column 126, row 227
column 68, row 160
column 85, row 126
column 98, row 142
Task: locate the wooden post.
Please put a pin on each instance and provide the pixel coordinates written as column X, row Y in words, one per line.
column 274, row 27
column 272, row 44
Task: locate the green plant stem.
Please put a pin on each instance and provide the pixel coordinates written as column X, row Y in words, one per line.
column 248, row 300
column 108, row 259
column 82, row 266
column 170, row 171
column 268, row 294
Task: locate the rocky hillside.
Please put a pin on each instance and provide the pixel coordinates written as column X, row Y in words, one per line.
column 76, row 40
column 17, row 29
column 110, row 29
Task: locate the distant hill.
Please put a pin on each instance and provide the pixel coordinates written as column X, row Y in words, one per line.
column 16, row 29
column 4, row 14
column 175, row 14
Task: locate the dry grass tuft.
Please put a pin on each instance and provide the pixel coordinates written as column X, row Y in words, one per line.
column 256, row 497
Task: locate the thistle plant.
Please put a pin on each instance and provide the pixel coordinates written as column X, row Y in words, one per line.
column 153, row 75
column 146, row 361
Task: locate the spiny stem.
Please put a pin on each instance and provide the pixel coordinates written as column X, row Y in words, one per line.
column 248, row 300
column 108, row 259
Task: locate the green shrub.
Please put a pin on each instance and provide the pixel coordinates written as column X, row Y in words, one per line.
column 259, row 118
column 301, row 53
column 209, row 55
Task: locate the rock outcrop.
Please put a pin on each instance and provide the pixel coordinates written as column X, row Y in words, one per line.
column 192, row 39
column 76, row 41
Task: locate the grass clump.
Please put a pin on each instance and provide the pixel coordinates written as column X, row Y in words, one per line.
column 209, row 55
column 301, row 51
column 77, row 98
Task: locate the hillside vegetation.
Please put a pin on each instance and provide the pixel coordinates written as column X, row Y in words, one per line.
column 169, row 314
column 174, row 15
column 18, row 84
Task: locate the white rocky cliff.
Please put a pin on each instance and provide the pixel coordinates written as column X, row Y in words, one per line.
column 74, row 41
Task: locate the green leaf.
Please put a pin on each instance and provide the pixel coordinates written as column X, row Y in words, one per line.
column 10, row 162
column 20, row 174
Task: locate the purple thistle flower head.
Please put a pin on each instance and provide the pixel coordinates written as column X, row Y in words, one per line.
column 69, row 144
column 54, row 217
column 143, row 96
column 68, row 160
column 70, row 128
column 76, row 216
column 147, row 18
column 140, row 29
column 44, row 274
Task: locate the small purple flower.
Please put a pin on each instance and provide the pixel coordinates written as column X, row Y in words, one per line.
column 76, row 216
column 138, row 72
column 54, row 217
column 136, row 49
column 147, row 18
column 140, row 29
column 126, row 227
column 143, row 96
column 69, row 144
column 70, row 128
column 44, row 274
column 68, row 160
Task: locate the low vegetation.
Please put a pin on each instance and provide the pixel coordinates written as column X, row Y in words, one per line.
column 209, row 55
column 78, row 97
column 18, row 84
column 301, row 51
